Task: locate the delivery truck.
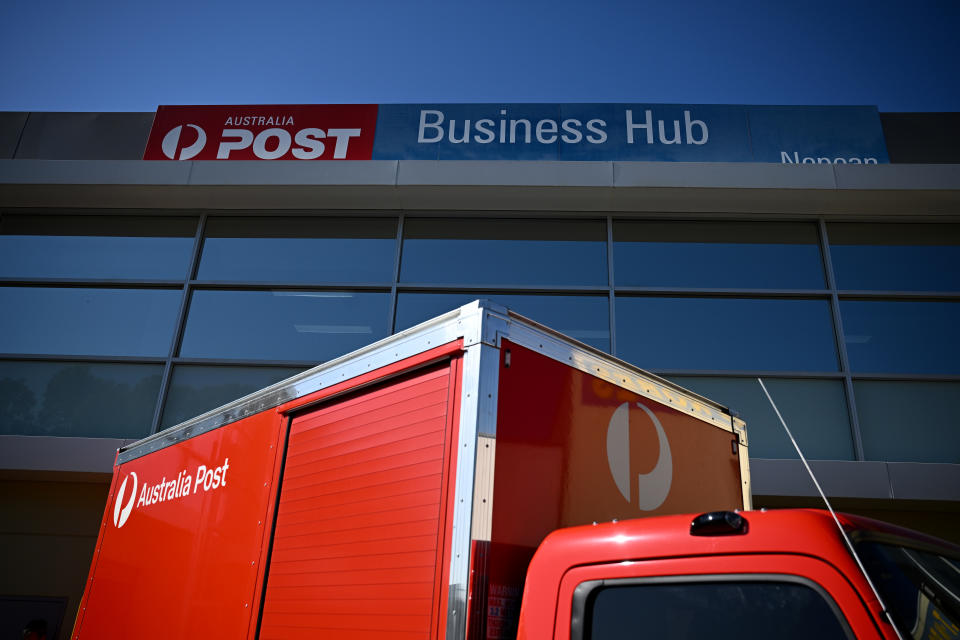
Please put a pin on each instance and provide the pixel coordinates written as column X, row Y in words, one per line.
column 402, row 490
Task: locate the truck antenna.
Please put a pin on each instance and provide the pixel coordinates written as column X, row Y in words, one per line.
column 843, row 533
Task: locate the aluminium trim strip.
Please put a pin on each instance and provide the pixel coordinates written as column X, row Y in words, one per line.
column 530, row 334
column 459, row 323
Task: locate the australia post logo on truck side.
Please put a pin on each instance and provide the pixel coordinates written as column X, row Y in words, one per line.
column 288, row 132
column 183, row 486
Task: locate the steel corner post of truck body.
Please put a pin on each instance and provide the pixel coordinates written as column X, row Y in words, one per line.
column 401, row 489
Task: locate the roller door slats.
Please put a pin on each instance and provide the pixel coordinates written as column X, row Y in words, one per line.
column 384, row 421
column 359, row 518
column 381, row 478
column 374, row 399
column 343, row 550
column 410, row 489
column 380, row 460
column 317, row 457
column 286, row 632
column 374, row 404
column 364, row 521
column 379, row 623
column 430, row 441
column 353, row 508
column 393, row 606
column 411, row 529
column 379, row 562
column 352, row 577
column 394, row 591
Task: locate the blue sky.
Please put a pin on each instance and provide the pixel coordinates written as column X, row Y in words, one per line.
column 113, row 55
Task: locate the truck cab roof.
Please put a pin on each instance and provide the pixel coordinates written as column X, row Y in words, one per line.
column 751, row 544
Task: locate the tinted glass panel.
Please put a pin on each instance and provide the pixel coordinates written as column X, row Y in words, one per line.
column 902, row 337
column 909, row 421
column 283, row 325
column 732, row 255
column 96, row 247
column 815, row 411
column 896, row 257
column 921, row 589
column 726, row 333
column 501, row 252
column 70, row 399
column 312, row 250
column 583, row 318
column 719, row 611
column 110, row 322
column 195, row 389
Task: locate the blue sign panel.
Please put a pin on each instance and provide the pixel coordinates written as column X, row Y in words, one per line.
column 646, row 132
column 817, row 135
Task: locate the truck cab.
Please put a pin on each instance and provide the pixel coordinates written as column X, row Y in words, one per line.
column 762, row 574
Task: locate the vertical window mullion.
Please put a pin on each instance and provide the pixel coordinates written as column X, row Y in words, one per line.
column 181, row 324
column 611, row 287
column 841, row 343
column 392, row 320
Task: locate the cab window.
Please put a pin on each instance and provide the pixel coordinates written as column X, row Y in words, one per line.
column 719, row 610
column 920, row 588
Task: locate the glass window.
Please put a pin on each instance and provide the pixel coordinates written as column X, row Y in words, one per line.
column 895, row 257
column 909, row 421
column 583, row 318
column 815, row 411
column 726, row 334
column 312, row 326
column 901, row 337
column 504, row 252
column 718, row 610
column 81, row 321
column 922, row 589
column 83, row 399
column 105, row 247
column 198, row 389
column 314, row 250
column 730, row 255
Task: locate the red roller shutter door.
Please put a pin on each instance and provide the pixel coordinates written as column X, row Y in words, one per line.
column 358, row 542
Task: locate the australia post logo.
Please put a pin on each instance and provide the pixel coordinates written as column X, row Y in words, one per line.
column 282, row 132
column 646, row 490
column 136, row 492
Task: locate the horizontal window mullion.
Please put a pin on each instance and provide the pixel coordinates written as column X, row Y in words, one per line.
column 806, row 294
column 907, row 377
column 746, row 373
column 299, row 286
column 112, row 283
column 504, row 288
column 245, row 362
column 919, row 296
column 42, row 357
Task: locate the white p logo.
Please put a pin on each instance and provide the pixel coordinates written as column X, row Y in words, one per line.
column 653, row 487
column 120, row 512
column 172, row 140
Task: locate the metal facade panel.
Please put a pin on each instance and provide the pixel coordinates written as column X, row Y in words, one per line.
column 84, row 136
column 11, row 127
column 360, row 527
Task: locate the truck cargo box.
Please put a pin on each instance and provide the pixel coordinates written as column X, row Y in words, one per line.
column 398, row 491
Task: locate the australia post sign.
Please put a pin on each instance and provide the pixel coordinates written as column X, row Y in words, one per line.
column 290, row 132
column 584, row 132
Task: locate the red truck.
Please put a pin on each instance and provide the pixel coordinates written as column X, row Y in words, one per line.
column 401, row 491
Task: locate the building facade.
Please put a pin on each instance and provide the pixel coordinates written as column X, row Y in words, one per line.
column 136, row 294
